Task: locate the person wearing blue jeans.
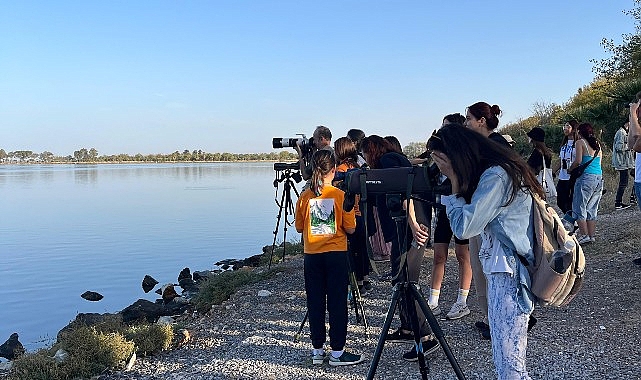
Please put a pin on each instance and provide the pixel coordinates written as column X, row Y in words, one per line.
column 588, row 187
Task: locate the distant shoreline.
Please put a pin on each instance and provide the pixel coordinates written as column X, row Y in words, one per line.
column 138, row 162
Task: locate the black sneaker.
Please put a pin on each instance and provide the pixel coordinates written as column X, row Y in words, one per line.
column 621, row 206
column 347, row 358
column 399, row 336
column 484, row 328
column 637, row 261
column 429, row 347
column 367, row 285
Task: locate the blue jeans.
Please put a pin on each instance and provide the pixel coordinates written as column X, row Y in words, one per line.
column 587, row 195
column 637, row 192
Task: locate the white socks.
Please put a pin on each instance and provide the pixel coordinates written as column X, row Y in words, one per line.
column 434, row 294
column 462, row 296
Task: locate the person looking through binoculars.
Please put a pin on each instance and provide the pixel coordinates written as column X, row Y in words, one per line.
column 492, row 189
column 325, row 225
column 379, row 154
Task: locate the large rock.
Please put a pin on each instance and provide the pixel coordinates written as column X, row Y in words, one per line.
column 12, row 348
column 186, row 282
column 91, row 296
column 142, row 309
column 150, row 311
column 148, row 283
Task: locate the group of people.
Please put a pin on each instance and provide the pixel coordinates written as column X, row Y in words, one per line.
column 488, row 212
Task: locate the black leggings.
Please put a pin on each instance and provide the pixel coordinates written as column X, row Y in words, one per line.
column 326, row 288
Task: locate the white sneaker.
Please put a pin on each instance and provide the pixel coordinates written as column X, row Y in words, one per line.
column 436, row 310
column 458, row 310
column 584, row 239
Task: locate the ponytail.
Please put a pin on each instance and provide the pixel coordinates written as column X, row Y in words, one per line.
column 323, row 161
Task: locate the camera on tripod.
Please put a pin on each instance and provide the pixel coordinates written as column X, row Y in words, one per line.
column 306, row 144
column 421, row 182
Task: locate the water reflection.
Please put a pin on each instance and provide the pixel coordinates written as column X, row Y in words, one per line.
column 103, row 227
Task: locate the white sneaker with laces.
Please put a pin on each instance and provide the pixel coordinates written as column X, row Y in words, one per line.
column 458, row 310
column 436, row 310
column 584, row 239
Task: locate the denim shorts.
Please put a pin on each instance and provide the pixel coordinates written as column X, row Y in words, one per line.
column 587, row 194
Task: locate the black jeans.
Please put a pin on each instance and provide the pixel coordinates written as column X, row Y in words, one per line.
column 623, row 183
column 359, row 259
column 564, row 195
column 326, row 287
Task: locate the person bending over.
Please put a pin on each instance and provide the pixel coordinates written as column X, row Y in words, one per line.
column 492, row 189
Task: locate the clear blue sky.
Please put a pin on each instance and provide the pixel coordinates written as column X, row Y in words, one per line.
column 159, row 76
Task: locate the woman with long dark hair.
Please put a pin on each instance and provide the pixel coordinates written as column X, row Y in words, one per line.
column 380, row 154
column 567, row 155
column 588, row 187
column 492, row 189
column 347, row 158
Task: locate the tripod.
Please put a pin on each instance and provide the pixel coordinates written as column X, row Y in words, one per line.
column 287, row 177
column 409, row 293
column 356, row 302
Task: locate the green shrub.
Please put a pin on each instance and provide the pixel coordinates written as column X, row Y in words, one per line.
column 150, row 339
column 97, row 350
column 37, row 366
column 220, row 287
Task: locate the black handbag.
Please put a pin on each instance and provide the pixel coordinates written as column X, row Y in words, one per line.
column 578, row 171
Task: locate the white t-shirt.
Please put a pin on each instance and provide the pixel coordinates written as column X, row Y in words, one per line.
column 567, row 155
column 637, row 168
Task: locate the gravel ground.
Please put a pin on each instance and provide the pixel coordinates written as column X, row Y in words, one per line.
column 250, row 337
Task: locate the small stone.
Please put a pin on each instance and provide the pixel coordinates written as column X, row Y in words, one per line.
column 165, row 320
column 60, row 356
column 264, row 293
column 130, row 362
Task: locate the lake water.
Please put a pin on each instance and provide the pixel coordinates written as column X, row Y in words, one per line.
column 71, row 228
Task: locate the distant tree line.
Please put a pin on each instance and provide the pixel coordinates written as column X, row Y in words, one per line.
column 85, row 155
column 604, row 103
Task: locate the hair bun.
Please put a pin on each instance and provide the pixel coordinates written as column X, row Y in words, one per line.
column 495, row 110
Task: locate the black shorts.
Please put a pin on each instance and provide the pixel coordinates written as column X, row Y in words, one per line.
column 443, row 232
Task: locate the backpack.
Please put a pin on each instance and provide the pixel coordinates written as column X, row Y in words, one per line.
column 559, row 262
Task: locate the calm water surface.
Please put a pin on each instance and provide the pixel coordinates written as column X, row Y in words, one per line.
column 71, row 228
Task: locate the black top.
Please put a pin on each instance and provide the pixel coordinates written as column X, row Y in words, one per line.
column 388, row 226
column 495, row 136
column 536, row 161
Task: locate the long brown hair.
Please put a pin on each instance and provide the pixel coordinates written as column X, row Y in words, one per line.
column 345, row 151
column 374, row 147
column 323, row 161
column 472, row 153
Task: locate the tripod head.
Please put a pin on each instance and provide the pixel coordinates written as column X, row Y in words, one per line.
column 286, row 173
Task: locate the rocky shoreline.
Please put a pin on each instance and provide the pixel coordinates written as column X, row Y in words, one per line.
column 252, row 335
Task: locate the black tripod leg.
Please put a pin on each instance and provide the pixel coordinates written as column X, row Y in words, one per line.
column 436, row 329
column 300, row 328
column 381, row 339
column 280, row 213
column 410, row 306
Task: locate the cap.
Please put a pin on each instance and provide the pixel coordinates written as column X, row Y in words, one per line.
column 537, row 134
